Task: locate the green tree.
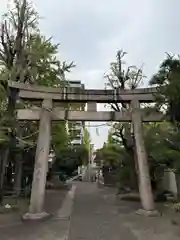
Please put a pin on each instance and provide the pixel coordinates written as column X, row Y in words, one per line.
column 86, row 146
column 15, row 28
column 67, row 156
column 28, row 57
column 162, row 145
column 167, row 80
column 168, row 100
column 116, row 157
column 124, row 78
column 60, row 137
column 121, row 78
column 86, row 138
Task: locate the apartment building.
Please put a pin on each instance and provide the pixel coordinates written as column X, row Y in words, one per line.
column 76, row 129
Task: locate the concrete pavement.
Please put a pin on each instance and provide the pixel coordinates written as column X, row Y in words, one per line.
column 94, row 214
column 99, row 214
column 94, row 217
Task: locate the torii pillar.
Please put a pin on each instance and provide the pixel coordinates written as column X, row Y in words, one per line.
column 145, row 189
column 36, row 207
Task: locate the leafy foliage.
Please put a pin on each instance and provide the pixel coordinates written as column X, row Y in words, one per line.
column 167, row 80
column 162, row 144
column 86, row 138
column 26, row 56
column 60, row 138
column 123, row 78
column 86, row 146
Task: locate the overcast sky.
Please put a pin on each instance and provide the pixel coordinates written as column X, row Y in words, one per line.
column 91, row 32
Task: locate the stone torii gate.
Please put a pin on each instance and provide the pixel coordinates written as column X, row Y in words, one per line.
column 51, row 98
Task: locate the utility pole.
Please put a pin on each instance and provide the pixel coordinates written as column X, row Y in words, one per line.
column 89, row 158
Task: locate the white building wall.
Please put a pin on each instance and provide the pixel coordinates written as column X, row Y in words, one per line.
column 169, row 182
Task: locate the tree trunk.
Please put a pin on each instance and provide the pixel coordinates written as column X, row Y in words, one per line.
column 9, row 171
column 18, row 175
column 129, row 144
column 177, row 177
column 4, row 161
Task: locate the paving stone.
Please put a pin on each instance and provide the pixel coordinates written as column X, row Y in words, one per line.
column 94, row 218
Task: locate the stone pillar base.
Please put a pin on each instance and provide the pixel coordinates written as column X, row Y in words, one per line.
column 35, row 216
column 152, row 213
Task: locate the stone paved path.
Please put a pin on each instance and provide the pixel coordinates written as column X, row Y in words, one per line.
column 94, row 217
column 97, row 215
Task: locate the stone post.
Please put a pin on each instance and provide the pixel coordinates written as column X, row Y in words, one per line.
column 145, row 189
column 91, row 106
column 36, row 210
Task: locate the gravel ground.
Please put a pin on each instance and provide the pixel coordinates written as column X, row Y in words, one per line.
column 12, row 228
